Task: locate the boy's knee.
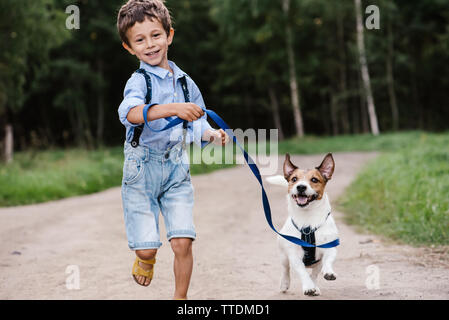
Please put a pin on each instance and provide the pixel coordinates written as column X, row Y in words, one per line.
column 181, row 246
column 146, row 254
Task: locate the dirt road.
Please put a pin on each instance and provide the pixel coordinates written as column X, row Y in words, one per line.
column 44, row 246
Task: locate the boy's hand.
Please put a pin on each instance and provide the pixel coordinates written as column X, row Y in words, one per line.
column 218, row 137
column 187, row 111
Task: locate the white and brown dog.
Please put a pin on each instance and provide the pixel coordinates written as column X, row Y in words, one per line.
column 309, row 219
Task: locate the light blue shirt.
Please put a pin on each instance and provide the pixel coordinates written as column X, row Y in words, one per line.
column 166, row 88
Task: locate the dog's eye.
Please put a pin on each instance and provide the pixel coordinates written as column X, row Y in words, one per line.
column 315, row 180
column 294, row 179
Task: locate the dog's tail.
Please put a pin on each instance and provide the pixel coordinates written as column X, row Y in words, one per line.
column 277, row 180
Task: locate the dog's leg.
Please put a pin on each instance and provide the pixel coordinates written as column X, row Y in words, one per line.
column 316, row 271
column 328, row 259
column 308, row 286
column 285, row 272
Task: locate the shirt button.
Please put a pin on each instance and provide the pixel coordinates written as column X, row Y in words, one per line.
column 175, row 94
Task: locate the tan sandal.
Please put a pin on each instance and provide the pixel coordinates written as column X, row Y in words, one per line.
column 139, row 271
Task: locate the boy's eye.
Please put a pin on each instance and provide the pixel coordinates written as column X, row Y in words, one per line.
column 139, row 40
column 315, row 180
column 156, row 35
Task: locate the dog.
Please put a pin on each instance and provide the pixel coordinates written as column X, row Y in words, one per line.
column 308, row 218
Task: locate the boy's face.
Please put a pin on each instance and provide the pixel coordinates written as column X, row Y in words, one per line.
column 149, row 42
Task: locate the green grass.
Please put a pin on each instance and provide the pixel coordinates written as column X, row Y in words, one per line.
column 39, row 176
column 404, row 194
column 48, row 175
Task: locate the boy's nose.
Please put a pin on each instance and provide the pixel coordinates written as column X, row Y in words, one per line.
column 149, row 43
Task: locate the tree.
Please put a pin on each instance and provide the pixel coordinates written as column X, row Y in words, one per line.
column 250, row 72
column 292, row 71
column 24, row 48
column 364, row 71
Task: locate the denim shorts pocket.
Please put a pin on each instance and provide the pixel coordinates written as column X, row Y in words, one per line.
column 132, row 170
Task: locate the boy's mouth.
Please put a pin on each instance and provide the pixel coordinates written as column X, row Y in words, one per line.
column 152, row 53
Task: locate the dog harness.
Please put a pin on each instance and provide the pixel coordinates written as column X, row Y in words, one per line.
column 308, row 235
column 139, row 129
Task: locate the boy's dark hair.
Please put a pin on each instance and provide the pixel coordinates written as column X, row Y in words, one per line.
column 137, row 11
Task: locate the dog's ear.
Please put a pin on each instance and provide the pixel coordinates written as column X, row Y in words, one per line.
column 326, row 168
column 289, row 167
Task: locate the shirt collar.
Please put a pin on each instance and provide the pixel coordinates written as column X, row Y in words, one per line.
column 161, row 72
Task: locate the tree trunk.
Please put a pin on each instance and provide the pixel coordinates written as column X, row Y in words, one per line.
column 363, row 111
column 355, row 116
column 343, row 103
column 292, row 71
column 276, row 115
column 325, row 110
column 9, row 143
column 364, row 71
column 100, row 105
column 390, row 78
column 333, row 108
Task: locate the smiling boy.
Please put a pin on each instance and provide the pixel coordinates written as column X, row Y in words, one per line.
column 156, row 177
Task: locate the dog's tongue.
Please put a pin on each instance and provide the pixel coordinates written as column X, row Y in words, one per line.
column 301, row 200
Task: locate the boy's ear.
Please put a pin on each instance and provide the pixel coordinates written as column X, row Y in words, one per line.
column 128, row 48
column 170, row 36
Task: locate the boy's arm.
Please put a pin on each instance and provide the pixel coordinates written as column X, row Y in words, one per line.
column 131, row 109
column 133, row 95
column 185, row 111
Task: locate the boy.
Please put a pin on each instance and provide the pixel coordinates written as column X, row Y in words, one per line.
column 154, row 177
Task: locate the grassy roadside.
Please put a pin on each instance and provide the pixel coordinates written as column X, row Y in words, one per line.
column 404, row 194
column 39, row 176
column 54, row 174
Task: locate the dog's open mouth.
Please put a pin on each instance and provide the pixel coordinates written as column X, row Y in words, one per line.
column 302, row 200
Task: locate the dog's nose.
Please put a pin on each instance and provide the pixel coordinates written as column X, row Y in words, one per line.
column 301, row 188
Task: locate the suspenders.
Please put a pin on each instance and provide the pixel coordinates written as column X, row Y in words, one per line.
column 139, row 129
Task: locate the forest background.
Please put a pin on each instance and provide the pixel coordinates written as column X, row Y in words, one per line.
column 293, row 65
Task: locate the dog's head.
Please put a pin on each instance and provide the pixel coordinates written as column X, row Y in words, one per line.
column 305, row 186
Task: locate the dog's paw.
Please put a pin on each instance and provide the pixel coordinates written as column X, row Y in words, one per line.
column 330, row 276
column 312, row 292
column 285, row 283
column 284, row 287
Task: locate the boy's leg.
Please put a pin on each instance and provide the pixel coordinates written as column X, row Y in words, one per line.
column 145, row 254
column 141, row 178
column 182, row 266
column 176, row 205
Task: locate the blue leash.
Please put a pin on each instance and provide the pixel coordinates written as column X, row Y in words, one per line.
column 252, row 165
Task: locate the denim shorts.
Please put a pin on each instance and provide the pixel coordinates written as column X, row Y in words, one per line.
column 156, row 181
